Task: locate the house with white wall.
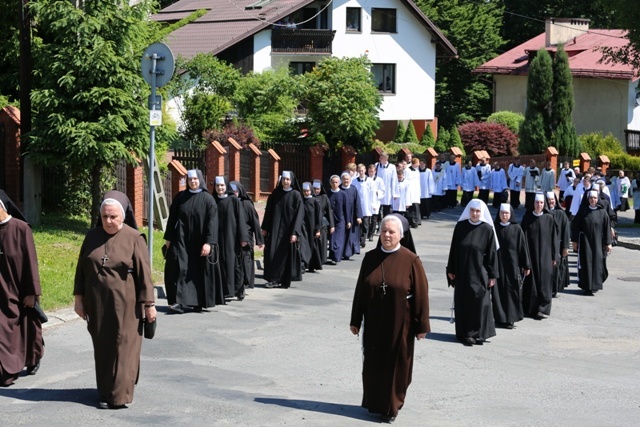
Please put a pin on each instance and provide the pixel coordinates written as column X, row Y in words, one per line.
column 255, row 35
column 605, row 93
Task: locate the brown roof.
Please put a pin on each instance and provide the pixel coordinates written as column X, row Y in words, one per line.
column 228, row 22
column 585, row 56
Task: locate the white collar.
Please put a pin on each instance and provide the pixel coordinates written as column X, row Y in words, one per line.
column 287, row 189
column 199, row 190
column 397, row 248
column 6, row 220
column 537, row 214
column 222, row 196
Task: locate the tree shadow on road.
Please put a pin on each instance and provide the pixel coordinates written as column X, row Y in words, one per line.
column 82, row 396
column 350, row 411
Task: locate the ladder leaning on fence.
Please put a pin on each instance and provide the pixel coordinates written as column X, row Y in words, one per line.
column 158, row 198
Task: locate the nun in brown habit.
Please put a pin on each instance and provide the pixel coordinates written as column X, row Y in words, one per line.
column 113, row 290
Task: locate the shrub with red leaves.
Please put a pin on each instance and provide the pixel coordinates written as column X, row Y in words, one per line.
column 241, row 133
column 495, row 138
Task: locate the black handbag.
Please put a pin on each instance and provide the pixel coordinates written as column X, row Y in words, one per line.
column 149, row 328
column 39, row 312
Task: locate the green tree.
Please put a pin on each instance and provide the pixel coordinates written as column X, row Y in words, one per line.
column 443, row 141
column 564, row 136
column 428, row 140
column 455, row 140
column 536, row 128
column 342, row 100
column 266, row 102
column 204, row 72
column 474, row 29
column 625, row 15
column 90, row 98
column 400, row 132
column 410, row 135
column 203, row 111
column 10, row 49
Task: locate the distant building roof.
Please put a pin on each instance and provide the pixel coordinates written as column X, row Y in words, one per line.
column 584, row 51
column 227, row 23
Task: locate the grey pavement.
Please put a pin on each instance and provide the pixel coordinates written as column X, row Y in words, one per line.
column 286, row 357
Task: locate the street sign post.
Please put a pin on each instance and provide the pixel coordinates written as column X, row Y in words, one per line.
column 158, row 65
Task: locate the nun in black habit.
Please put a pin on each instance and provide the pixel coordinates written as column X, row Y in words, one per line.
column 539, row 226
column 513, row 265
column 232, row 237
column 473, row 269
column 312, row 224
column 560, row 275
column 255, row 237
column 327, row 226
column 282, row 228
column 192, row 274
column 591, row 237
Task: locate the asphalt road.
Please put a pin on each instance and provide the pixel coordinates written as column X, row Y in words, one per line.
column 286, row 357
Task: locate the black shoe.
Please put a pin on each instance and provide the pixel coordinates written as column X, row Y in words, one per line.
column 387, row 418
column 479, row 341
column 541, row 315
column 469, row 341
column 176, row 308
column 271, row 285
column 331, row 262
column 240, row 297
column 197, row 309
column 509, row 325
column 32, row 370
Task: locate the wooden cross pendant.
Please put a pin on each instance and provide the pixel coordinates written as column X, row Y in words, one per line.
column 105, row 258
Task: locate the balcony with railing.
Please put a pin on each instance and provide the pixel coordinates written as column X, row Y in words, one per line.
column 301, row 40
column 632, row 140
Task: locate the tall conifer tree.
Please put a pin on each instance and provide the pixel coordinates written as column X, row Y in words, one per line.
column 564, row 138
column 536, row 130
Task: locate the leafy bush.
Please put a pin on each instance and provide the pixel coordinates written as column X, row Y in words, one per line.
column 496, row 139
column 624, row 161
column 507, row 118
column 242, row 134
column 203, row 111
column 456, row 141
column 596, row 143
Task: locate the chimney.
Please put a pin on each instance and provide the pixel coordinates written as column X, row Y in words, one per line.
column 561, row 30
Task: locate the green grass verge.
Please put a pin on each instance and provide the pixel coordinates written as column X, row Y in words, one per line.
column 58, row 240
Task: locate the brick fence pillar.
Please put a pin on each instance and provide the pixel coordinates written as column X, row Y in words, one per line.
column 458, row 153
column 135, row 190
column 214, row 162
column 254, row 186
column 430, row 158
column 552, row 156
column 403, row 154
column 604, row 163
column 316, row 162
column 178, row 177
column 347, row 155
column 234, row 160
column 479, row 155
column 275, row 170
column 585, row 162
